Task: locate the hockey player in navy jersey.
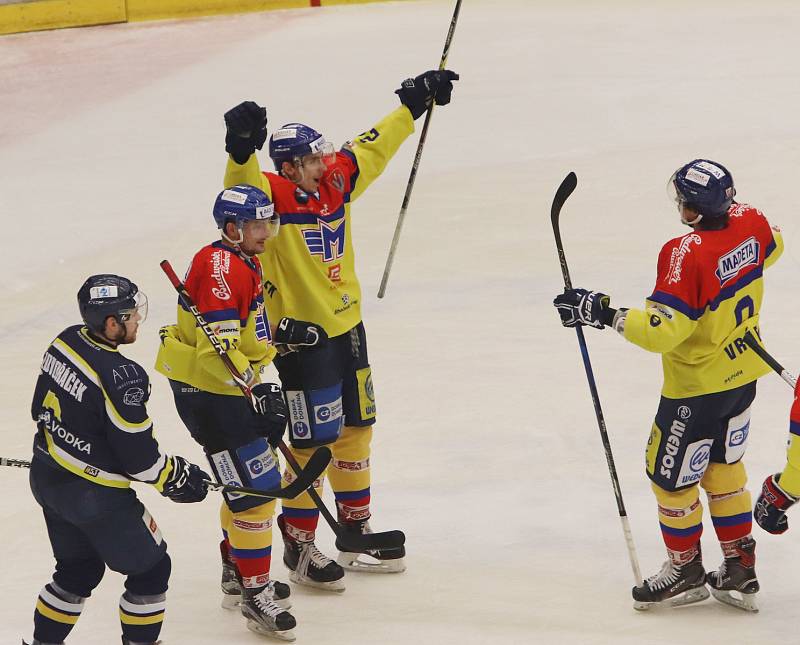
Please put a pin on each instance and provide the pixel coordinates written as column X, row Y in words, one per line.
column 93, row 438
column 707, row 296
column 310, row 275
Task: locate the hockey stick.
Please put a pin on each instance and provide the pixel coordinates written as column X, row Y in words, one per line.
column 765, row 356
column 318, row 463
column 17, row 463
column 564, row 191
column 417, row 157
column 353, row 542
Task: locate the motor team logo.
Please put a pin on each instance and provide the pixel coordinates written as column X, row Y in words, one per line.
column 326, row 240
column 746, row 254
column 679, row 255
column 220, row 267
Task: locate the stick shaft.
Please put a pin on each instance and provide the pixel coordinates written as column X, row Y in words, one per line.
column 566, row 188
column 417, row 158
column 765, row 356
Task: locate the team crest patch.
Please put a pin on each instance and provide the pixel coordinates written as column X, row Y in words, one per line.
column 336, row 180
column 746, row 254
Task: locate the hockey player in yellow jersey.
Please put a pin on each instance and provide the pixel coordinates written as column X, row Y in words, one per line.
column 310, row 275
column 707, row 296
column 224, row 280
column 780, row 491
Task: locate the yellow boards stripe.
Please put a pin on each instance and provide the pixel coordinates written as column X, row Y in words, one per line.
column 54, row 14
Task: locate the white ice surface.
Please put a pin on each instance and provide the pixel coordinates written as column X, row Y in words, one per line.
column 487, row 451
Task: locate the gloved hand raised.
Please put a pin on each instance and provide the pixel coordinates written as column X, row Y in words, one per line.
column 246, row 130
column 292, row 334
column 418, row 93
column 186, row 483
column 771, row 506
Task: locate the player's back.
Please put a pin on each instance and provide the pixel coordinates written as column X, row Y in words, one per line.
column 714, row 278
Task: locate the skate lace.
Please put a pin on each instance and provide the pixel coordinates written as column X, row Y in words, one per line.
column 668, row 575
column 264, row 602
column 311, row 555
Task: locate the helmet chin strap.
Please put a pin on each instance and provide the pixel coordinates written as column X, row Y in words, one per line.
column 231, row 241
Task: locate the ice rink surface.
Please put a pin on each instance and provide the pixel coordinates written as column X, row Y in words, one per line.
column 487, row 452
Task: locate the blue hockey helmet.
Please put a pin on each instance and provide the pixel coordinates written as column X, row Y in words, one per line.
column 243, row 203
column 294, row 141
column 105, row 295
column 703, row 186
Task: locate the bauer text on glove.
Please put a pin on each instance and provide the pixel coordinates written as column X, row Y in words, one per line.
column 581, row 307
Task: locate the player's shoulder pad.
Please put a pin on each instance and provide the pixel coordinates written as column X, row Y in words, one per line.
column 125, row 382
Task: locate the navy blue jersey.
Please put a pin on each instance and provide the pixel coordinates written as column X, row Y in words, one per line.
column 90, row 409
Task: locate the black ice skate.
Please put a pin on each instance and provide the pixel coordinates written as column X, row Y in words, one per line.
column 738, row 574
column 374, row 560
column 307, row 564
column 264, row 616
column 681, row 581
column 232, row 586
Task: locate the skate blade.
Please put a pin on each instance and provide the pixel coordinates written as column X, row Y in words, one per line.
column 745, row 601
column 231, row 600
column 335, row 586
column 686, row 598
column 287, row 635
column 364, row 563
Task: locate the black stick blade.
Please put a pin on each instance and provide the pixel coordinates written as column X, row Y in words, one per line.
column 562, row 194
column 358, row 543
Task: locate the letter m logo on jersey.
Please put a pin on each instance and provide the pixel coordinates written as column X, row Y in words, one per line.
column 326, row 240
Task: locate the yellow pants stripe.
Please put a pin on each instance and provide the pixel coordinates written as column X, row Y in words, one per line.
column 128, row 619
column 57, row 616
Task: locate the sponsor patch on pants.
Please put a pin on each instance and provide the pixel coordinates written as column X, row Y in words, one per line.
column 152, row 527
column 695, row 462
column 299, row 422
column 366, row 393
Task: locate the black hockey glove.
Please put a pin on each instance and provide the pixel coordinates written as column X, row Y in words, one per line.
column 271, row 406
column 581, row 307
column 247, row 130
column 771, row 506
column 186, row 483
column 269, row 402
column 418, row 93
column 292, row 334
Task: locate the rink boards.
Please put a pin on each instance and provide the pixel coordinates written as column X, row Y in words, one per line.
column 35, row 15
